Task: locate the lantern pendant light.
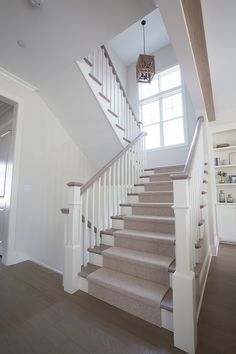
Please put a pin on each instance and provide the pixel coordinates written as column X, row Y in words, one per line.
column 145, row 68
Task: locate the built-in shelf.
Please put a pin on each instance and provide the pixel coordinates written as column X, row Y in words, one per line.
column 225, row 166
column 226, row 185
column 228, row 204
column 232, row 147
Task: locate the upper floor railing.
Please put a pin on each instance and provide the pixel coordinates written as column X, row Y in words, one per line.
column 111, row 90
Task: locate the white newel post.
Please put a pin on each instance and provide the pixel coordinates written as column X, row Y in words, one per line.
column 72, row 257
column 184, row 294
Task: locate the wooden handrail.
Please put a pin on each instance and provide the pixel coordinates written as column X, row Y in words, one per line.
column 186, row 174
column 109, row 164
column 117, row 79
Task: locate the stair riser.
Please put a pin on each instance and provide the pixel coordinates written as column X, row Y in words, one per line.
column 126, row 210
column 132, row 199
column 148, row 173
column 160, row 198
column 160, row 178
column 155, row 247
column 150, row 211
column 138, row 189
column 160, row 187
column 117, row 224
column 160, row 227
column 107, row 240
column 95, row 259
column 144, row 180
column 140, row 270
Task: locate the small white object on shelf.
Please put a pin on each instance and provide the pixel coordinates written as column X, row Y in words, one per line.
column 232, row 157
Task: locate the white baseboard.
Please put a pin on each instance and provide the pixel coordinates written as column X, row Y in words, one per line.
column 215, row 247
column 45, row 265
column 205, row 270
column 21, row 257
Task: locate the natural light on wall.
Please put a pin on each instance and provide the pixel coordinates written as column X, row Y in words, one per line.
column 161, row 109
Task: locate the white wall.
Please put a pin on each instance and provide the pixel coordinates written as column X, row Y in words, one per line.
column 46, row 158
column 164, row 59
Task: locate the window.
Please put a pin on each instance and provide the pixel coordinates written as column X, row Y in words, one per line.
column 161, row 109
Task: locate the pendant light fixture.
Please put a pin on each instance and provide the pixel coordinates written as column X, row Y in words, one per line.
column 145, row 68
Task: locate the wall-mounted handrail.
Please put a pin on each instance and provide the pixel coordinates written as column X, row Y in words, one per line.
column 186, row 174
column 117, row 79
column 88, row 184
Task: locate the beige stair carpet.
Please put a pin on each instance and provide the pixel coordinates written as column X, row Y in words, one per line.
column 135, row 272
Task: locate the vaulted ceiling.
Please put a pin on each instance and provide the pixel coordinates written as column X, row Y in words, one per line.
column 59, row 32
column 129, row 44
column 220, row 29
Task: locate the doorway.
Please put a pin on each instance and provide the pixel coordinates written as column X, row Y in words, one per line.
column 6, row 163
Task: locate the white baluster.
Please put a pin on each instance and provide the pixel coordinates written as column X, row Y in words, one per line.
column 114, row 190
column 122, row 176
column 126, row 175
column 104, row 78
column 82, row 228
column 92, row 241
column 98, row 64
column 118, row 186
column 94, row 69
column 105, row 200
column 118, row 101
column 86, row 230
column 110, row 87
column 129, row 171
column 98, row 212
column 109, row 205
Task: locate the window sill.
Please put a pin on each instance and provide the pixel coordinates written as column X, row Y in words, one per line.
column 168, row 147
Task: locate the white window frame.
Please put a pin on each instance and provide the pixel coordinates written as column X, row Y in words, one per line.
column 160, row 96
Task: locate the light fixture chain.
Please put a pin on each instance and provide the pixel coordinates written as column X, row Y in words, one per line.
column 144, row 43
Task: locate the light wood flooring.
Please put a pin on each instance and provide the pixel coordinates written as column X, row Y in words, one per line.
column 37, row 316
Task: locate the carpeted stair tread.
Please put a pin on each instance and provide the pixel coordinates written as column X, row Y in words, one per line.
column 108, row 231
column 98, row 249
column 157, row 183
column 151, row 205
column 142, row 290
column 117, row 217
column 133, row 256
column 167, row 301
column 90, row 268
column 171, row 168
column 146, row 218
column 145, row 235
column 155, row 192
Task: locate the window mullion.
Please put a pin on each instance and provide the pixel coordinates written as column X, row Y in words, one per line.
column 161, row 123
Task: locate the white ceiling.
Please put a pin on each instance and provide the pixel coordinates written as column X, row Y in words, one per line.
column 220, row 29
column 129, row 44
column 59, row 33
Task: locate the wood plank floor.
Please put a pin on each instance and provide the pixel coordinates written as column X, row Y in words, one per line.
column 37, row 316
column 217, row 322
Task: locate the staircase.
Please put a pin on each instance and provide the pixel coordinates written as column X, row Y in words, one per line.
column 139, row 239
column 136, row 254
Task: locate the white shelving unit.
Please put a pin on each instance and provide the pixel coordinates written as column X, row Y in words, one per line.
column 225, row 212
